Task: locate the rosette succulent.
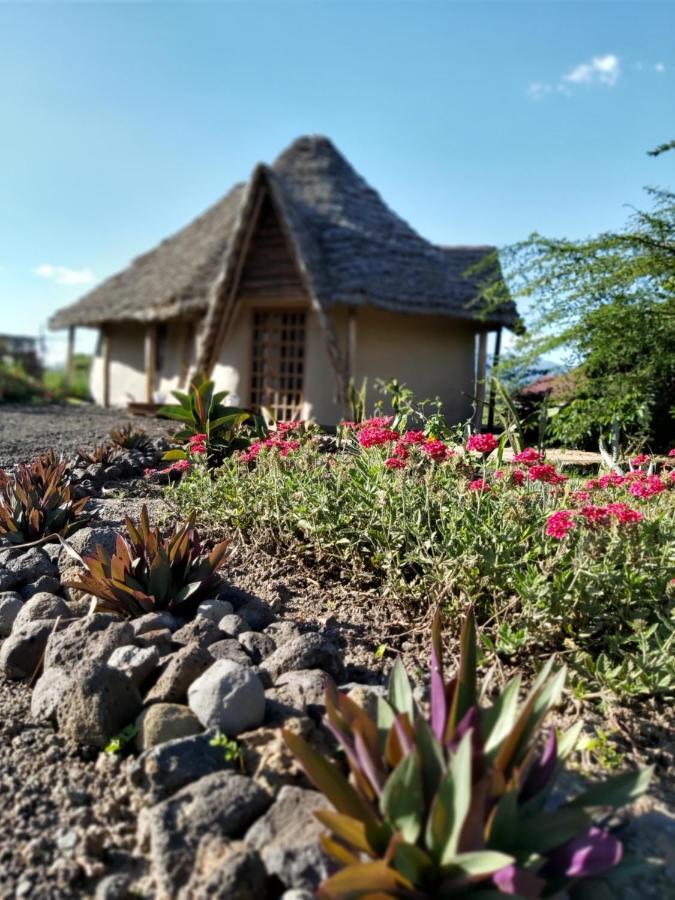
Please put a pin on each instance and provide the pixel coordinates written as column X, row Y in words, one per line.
column 462, row 802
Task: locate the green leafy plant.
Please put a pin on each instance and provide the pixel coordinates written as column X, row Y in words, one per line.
column 37, row 502
column 147, row 573
column 99, row 455
column 210, row 429
column 120, row 741
column 129, row 438
column 232, row 752
column 459, row 803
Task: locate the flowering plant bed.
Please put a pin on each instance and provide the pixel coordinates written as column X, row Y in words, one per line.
column 583, row 565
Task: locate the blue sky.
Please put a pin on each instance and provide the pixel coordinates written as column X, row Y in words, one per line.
column 477, row 121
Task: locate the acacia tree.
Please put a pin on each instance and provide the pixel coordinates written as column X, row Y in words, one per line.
column 610, row 302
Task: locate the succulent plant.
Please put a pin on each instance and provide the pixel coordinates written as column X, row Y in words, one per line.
column 37, row 502
column 129, row 438
column 100, row 454
column 460, row 803
column 147, row 573
column 209, row 427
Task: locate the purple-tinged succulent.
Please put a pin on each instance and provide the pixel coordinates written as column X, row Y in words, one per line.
column 459, row 803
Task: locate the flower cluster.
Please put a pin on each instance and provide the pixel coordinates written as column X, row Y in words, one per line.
column 560, row 523
column 640, row 460
column 198, row 443
column 375, row 435
column 275, row 441
column 647, row 487
column 181, row 465
column 482, row 443
column 547, row 473
column 529, row 456
column 479, row 484
column 437, row 450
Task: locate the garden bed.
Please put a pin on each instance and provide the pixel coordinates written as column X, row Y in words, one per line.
column 78, row 822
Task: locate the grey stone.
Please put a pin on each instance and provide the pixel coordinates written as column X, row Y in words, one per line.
column 309, row 651
column 22, row 651
column 183, row 667
column 30, row 565
column 365, row 696
column 10, row 607
column 257, row 613
column 224, row 803
column 297, row 895
column 166, row 768
column 99, row 703
column 114, row 887
column 214, row 609
column 155, row 621
column 287, row 837
column 43, row 606
column 161, row 640
column 282, row 631
column 8, row 580
column 229, row 697
column 136, row 662
column 233, row 625
column 257, row 645
column 84, row 542
column 230, row 648
column 164, row 722
column 225, row 870
column 92, row 638
column 199, row 631
column 303, row 690
column 47, row 693
column 48, row 584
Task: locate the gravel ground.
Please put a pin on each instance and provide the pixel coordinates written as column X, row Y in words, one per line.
column 27, row 430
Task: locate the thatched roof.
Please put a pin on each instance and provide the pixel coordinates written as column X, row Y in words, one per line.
column 351, row 248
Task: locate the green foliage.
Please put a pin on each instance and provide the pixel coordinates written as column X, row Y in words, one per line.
column 54, row 380
column 232, row 752
column 459, row 802
column 222, row 429
column 419, row 536
column 120, row 741
column 148, row 573
column 130, row 438
column 17, row 386
column 37, row 502
column 610, row 302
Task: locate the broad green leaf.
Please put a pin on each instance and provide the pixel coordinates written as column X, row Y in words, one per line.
column 479, row 862
column 402, row 799
column 497, row 721
column 465, row 695
column 546, row 830
column 431, row 757
column 174, row 454
column 346, row 828
column 400, row 694
column 175, row 412
column 385, row 720
column 449, row 809
column 412, row 862
column 371, row 879
column 616, row 791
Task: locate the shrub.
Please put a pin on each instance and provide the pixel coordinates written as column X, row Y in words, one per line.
column 461, row 802
column 129, row 438
column 147, row 573
column 422, row 521
column 37, row 502
column 210, row 430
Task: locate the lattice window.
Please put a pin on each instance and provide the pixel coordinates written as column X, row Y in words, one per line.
column 278, row 362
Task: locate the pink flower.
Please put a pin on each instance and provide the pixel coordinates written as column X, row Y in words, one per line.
column 482, row 443
column 181, row 465
column 401, row 451
column 413, row 437
column 580, row 496
column 499, row 474
column 518, row 476
column 528, row 456
column 546, row 473
column 612, row 479
column 375, row 435
column 198, row 448
column 671, row 453
column 198, row 439
column 595, row 515
column 640, row 459
column 149, row 472
column 437, row 450
column 394, row 463
column 284, row 427
column 624, row 514
column 648, row 487
column 479, row 484
column 560, row 524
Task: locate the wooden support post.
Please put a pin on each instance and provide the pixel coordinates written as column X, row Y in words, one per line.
column 481, row 368
column 105, row 355
column 70, row 358
column 150, row 360
column 495, row 363
column 351, row 343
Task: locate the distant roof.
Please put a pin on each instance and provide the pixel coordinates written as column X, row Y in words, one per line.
column 354, row 250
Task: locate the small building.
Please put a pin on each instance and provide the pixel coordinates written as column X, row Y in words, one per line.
column 292, row 284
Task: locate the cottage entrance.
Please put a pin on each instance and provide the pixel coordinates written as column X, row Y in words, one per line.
column 278, row 362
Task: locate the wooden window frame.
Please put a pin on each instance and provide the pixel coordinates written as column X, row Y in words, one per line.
column 259, row 394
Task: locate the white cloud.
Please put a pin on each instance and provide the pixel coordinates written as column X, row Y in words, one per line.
column 659, row 67
column 600, row 70
column 65, row 275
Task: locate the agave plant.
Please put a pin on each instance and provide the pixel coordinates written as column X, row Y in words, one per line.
column 100, row 454
column 209, row 427
column 460, row 803
column 128, row 438
column 36, row 502
column 147, row 573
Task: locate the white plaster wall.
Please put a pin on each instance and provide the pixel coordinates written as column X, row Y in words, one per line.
column 232, row 370
column 127, row 367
